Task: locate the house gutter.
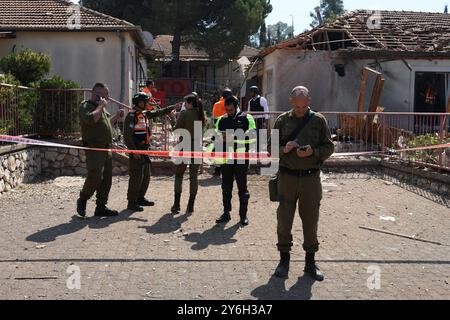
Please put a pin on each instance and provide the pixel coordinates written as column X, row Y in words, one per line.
column 122, row 65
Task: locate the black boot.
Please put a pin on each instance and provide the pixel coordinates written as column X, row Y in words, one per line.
column 311, row 268
column 145, row 203
column 81, row 207
column 176, row 204
column 244, row 220
column 282, row 270
column 103, row 211
column 224, row 218
column 191, row 204
column 134, row 206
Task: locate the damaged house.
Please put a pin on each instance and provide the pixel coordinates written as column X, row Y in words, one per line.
column 409, row 50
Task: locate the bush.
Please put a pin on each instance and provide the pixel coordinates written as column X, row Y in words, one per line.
column 20, row 104
column 59, row 109
column 27, row 66
column 427, row 156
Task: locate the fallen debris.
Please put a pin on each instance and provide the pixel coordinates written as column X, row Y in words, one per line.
column 400, row 235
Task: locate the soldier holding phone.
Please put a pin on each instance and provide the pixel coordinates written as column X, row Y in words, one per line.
column 305, row 144
column 97, row 132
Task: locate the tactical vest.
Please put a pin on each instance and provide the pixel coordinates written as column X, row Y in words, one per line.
column 141, row 131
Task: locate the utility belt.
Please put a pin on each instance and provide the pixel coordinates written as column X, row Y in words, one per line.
column 298, row 173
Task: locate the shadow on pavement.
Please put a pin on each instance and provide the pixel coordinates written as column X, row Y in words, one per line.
column 168, row 223
column 77, row 224
column 275, row 289
column 216, row 236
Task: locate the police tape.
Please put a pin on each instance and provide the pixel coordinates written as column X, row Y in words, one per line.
column 201, row 155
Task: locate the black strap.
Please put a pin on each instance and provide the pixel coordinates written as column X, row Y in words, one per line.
column 300, row 127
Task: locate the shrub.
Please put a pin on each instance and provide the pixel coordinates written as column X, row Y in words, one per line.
column 19, row 104
column 59, row 109
column 27, row 66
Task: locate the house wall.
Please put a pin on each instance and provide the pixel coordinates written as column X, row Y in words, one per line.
column 330, row 92
column 79, row 57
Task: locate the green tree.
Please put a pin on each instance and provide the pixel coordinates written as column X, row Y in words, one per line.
column 278, row 32
column 26, row 66
column 221, row 28
column 329, row 10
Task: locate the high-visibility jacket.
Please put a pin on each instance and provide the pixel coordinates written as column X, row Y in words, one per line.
column 219, row 109
column 141, row 130
column 242, row 121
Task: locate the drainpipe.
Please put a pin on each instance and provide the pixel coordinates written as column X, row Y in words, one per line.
column 122, row 65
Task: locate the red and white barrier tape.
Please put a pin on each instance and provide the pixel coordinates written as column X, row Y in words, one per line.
column 198, row 155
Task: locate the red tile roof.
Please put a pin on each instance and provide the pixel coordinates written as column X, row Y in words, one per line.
column 53, row 15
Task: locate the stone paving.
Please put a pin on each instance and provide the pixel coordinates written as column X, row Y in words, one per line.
column 155, row 255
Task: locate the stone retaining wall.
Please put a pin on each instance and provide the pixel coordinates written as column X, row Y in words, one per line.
column 70, row 162
column 19, row 167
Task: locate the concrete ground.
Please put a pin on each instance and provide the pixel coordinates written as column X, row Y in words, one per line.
column 155, row 255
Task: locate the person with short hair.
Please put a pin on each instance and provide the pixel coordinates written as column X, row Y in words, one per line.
column 97, row 132
column 305, row 144
column 235, row 119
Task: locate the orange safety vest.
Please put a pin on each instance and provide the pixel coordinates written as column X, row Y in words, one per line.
column 219, row 109
column 141, row 131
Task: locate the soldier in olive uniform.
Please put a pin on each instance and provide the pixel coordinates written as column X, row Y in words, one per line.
column 193, row 113
column 97, row 132
column 301, row 158
column 137, row 136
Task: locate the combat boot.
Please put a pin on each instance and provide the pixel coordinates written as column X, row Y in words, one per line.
column 176, row 208
column 103, row 211
column 145, row 203
column 191, row 204
column 282, row 270
column 134, row 206
column 224, row 218
column 311, row 269
column 81, row 207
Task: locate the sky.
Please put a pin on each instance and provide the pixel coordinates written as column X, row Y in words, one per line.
column 300, row 9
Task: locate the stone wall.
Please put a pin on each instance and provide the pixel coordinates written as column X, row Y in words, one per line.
column 21, row 166
column 71, row 162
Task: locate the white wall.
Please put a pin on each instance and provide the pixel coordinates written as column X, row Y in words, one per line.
column 330, row 92
column 79, row 57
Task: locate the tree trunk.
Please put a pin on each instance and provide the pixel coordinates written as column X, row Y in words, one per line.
column 176, row 46
column 263, row 36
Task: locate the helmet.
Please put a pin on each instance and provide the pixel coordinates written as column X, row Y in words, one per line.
column 254, row 89
column 141, row 96
column 227, row 93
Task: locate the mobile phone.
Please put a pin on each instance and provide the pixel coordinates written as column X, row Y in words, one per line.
column 303, row 148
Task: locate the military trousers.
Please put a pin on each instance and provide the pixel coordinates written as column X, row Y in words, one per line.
column 140, row 173
column 99, row 176
column 304, row 192
column 238, row 172
column 193, row 178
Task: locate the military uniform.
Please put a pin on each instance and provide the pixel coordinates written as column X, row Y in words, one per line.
column 187, row 121
column 299, row 179
column 137, row 136
column 232, row 170
column 99, row 164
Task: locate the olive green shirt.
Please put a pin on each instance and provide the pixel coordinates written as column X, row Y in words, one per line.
column 187, row 121
column 128, row 126
column 95, row 134
column 316, row 134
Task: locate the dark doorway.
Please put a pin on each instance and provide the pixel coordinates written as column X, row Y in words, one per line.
column 430, row 97
column 430, row 94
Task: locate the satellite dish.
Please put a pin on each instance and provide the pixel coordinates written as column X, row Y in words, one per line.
column 149, row 37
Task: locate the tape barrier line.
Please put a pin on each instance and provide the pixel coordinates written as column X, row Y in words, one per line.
column 198, row 155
